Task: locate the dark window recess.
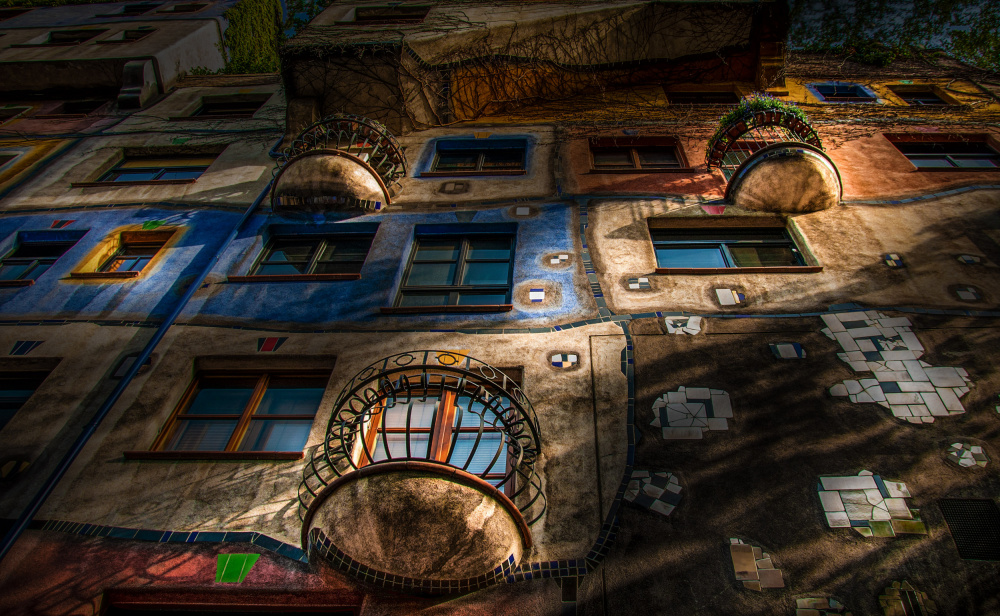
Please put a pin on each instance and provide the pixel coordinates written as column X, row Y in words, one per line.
column 231, row 106
column 234, row 608
column 375, row 15
column 132, row 256
column 473, row 156
column 844, row 93
column 253, row 412
column 722, row 248
column 919, row 97
column 128, row 36
column 188, row 7
column 15, row 389
column 158, row 169
column 9, row 13
column 132, row 10
column 79, row 107
column 703, row 98
column 609, row 156
column 291, row 256
column 71, row 37
column 6, row 158
column 975, row 526
column 127, row 362
column 9, row 113
column 949, row 154
column 30, row 259
column 458, row 272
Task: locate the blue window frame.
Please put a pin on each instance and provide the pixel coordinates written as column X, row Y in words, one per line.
column 712, row 248
column 457, row 157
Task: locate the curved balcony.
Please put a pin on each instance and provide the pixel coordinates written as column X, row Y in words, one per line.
column 773, row 160
column 426, row 478
column 341, row 163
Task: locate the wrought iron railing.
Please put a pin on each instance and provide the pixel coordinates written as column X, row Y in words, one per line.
column 433, row 406
column 359, row 136
column 752, row 131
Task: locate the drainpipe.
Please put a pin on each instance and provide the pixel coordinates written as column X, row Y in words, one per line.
column 91, row 427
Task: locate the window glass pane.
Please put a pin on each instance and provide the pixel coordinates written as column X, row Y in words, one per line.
column 181, row 174
column 486, row 273
column 126, row 264
column 38, row 270
column 437, row 251
column 290, row 401
column 489, row 249
column 482, row 299
column 421, row 413
column 763, row 256
column 456, row 160
column 283, row 250
column 930, row 162
column 202, row 435
column 424, row 299
column 345, row 250
column 397, row 445
column 657, row 157
column 13, row 271
column 276, row 435
column 220, row 400
column 612, row 157
column 423, row 274
column 131, row 175
column 281, row 269
column 473, row 413
column 35, row 250
column 716, row 235
column 503, row 159
column 490, row 445
column 709, row 256
column 975, row 162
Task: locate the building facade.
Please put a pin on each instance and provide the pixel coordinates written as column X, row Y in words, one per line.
column 520, row 308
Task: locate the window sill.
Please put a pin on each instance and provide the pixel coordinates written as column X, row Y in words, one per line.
column 234, row 456
column 466, row 174
column 104, row 275
column 792, row 269
column 17, row 283
column 956, row 169
column 293, row 277
column 641, row 171
column 142, row 183
column 447, row 309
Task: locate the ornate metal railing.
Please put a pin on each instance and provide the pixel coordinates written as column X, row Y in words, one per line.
column 434, row 399
column 362, row 137
column 752, row 131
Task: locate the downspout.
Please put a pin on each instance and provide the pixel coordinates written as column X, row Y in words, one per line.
column 91, row 427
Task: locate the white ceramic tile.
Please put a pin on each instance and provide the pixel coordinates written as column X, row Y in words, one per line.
column 849, row 482
column 831, row 500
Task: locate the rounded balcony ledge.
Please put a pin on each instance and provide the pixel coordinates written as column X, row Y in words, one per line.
column 786, row 177
column 341, row 163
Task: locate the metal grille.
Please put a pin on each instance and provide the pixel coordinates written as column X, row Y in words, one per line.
column 974, row 525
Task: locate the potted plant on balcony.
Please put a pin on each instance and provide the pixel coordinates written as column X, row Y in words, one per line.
column 754, row 110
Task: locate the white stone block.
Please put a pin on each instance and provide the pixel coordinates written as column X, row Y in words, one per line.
column 916, row 370
column 910, row 386
column 853, row 387
column 722, row 406
column 725, row 297
column 904, row 398
column 950, row 400
column 831, row 500
column 698, row 393
column 833, row 322
column 894, row 322
column 838, row 519
column 864, row 332
column 846, row 341
column 900, row 355
column 944, row 376
column 934, row 404
column 850, row 482
column 896, row 489
column 717, row 423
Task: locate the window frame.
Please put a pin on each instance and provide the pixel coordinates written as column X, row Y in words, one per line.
column 902, row 91
column 232, row 452
column 730, row 225
column 127, row 158
column 388, row 20
column 126, row 246
column 632, row 145
column 21, row 376
column 79, row 31
column 871, row 96
column 198, row 114
column 23, row 280
column 141, row 31
column 454, row 291
column 310, row 275
column 481, row 147
column 943, row 139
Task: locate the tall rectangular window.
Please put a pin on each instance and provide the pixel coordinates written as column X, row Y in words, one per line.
column 712, row 248
column 458, row 271
column 15, row 389
column 300, row 255
column 159, row 169
column 245, row 412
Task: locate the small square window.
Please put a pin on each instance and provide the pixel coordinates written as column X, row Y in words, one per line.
column 159, row 169
column 918, row 96
column 378, row 15
column 238, row 106
column 703, row 98
column 971, row 154
column 456, row 157
column 15, row 389
column 302, row 255
column 270, row 412
column 843, row 93
column 719, row 248
column 32, row 257
column 637, row 154
column 458, row 271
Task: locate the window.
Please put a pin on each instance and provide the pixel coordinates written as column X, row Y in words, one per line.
column 718, row 248
column 70, row 37
column 918, row 96
column 240, row 106
column 458, row 271
column 31, row 258
column 842, row 93
column 629, row 155
column 377, row 15
column 6, row 158
column 245, row 412
column 128, row 36
column 11, row 113
column 133, row 10
column 188, row 7
column 478, row 157
column 703, row 98
column 135, row 252
column 929, row 155
column 293, row 256
column 15, row 389
column 159, row 169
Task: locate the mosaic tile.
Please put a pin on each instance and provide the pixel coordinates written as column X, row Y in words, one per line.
column 657, row 491
column 522, row 211
column 787, row 350
column 969, row 259
column 639, row 284
column 683, row 325
column 23, row 347
column 820, row 606
column 233, row 568
column 270, row 344
column 564, row 360
column 559, row 259
column 536, row 295
column 967, row 455
column 753, row 566
column 728, row 297
column 870, row 505
column 893, row 260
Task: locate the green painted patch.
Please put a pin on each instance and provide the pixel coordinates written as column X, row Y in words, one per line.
column 233, row 568
column 180, row 140
column 149, row 225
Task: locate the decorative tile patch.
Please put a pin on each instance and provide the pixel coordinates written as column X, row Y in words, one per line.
column 149, row 225
column 482, row 135
column 788, row 350
column 536, row 295
column 968, row 293
column 522, row 211
column 966, row 455
column 565, row 360
column 13, row 467
column 233, row 568
column 270, row 344
column 639, row 284
column 23, row 347
column 912, row 390
column 683, row 325
column 728, row 297
column 659, row 492
column 870, row 505
column 969, row 259
column 893, row 260
column 753, row 566
column 901, row 599
column 558, row 259
column 689, row 411
column 974, row 524
column 59, row 224
column 820, row 606
column 714, row 210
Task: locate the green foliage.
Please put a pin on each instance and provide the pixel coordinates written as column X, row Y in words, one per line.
column 252, row 37
column 980, row 45
column 300, row 12
column 747, row 107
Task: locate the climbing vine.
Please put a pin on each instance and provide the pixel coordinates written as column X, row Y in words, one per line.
column 251, row 40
